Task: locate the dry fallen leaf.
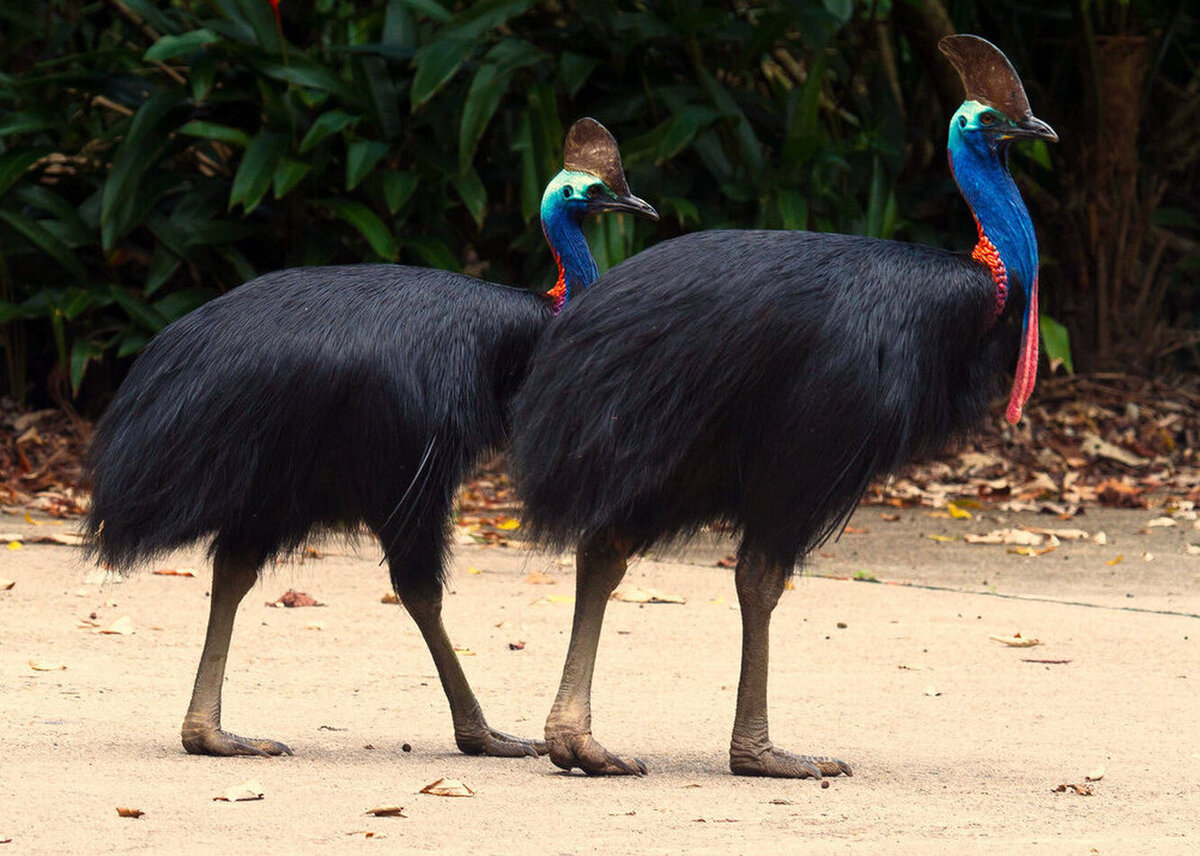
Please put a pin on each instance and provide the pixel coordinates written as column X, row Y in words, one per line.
column 175, row 572
column 447, row 788
column 957, row 512
column 933, row 692
column 1015, row 641
column 390, row 597
column 129, row 812
column 14, row 545
column 1082, row 790
column 889, row 516
column 1163, row 522
column 1093, row 445
column 509, row 524
column 554, row 598
column 246, row 791
column 634, row 594
column 315, row 625
column 537, row 578
column 46, row 666
column 387, row 811
column 5, row 585
column 1095, row 776
column 729, row 561
column 463, row 652
column 292, row 599
column 1116, row 561
column 122, row 626
column 473, row 570
column 941, row 539
column 1017, row 537
column 1032, row 552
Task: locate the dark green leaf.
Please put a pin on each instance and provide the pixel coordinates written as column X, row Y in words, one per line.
column 27, row 122
column 15, row 164
column 682, row 128
column 37, row 235
column 436, row 63
column 361, row 158
column 162, row 268
column 83, row 351
column 474, row 194
column 432, row 252
column 153, row 15
column 487, row 88
column 213, row 131
column 793, row 209
column 179, row 303
column 431, row 8
column 146, row 315
column 574, row 70
column 398, row 187
column 326, row 124
column 367, row 223
column 254, row 173
column 1057, row 343
column 169, row 47
column 288, row 174
column 137, row 154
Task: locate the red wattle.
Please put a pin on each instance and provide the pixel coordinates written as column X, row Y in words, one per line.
column 1026, row 374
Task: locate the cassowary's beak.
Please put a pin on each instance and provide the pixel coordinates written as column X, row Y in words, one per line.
column 629, row 203
column 1031, row 127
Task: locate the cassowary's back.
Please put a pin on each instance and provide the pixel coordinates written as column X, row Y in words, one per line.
column 759, row 378
column 308, row 397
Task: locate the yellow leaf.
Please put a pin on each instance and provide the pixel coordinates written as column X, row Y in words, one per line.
column 473, row 570
column 448, row 788
column 1120, row 558
column 14, row 545
column 509, row 524
column 958, row 513
column 941, row 539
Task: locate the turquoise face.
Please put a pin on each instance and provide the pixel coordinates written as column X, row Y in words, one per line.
column 979, row 125
column 576, row 194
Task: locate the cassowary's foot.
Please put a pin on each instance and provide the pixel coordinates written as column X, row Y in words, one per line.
column 766, row 760
column 583, row 751
column 214, row 741
column 497, row 744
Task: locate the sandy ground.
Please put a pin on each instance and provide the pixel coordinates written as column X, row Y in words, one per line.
column 956, row 740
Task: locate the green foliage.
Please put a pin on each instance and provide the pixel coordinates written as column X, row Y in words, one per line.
column 156, row 154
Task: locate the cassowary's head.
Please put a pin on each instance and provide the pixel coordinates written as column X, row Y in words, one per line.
column 996, row 110
column 592, row 180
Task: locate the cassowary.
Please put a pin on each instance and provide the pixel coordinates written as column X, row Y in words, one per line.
column 761, row 379
column 329, row 398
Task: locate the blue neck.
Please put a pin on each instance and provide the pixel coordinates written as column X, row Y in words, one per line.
column 982, row 175
column 564, row 233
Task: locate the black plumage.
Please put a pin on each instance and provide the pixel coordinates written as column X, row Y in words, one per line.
column 777, row 373
column 761, row 379
column 300, row 402
column 321, row 399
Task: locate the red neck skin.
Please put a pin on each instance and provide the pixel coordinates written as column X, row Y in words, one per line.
column 558, row 294
column 986, row 254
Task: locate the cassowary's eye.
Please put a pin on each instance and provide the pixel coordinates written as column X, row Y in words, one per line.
column 594, row 191
column 962, row 121
column 987, row 118
column 568, row 191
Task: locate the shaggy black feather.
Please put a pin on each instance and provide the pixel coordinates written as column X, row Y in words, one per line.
column 307, row 400
column 755, row 378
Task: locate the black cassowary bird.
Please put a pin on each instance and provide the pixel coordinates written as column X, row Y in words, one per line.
column 762, row 379
column 327, row 398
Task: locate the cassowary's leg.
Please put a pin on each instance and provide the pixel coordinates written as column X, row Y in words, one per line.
column 233, row 576
column 599, row 567
column 471, row 731
column 751, row 753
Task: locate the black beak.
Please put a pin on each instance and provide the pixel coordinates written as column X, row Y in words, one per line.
column 1031, row 128
column 629, row 203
